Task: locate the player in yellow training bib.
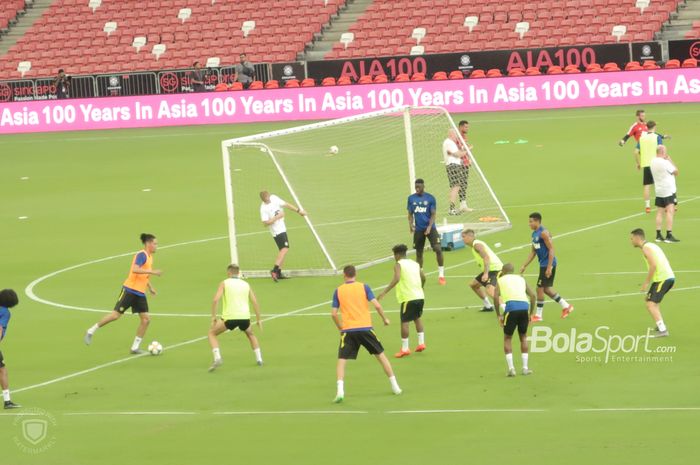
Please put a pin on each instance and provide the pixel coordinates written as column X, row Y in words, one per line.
column 489, row 265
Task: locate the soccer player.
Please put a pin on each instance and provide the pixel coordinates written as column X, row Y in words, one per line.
column 636, row 129
column 464, row 130
column 8, row 299
column 517, row 300
column 457, row 172
column 422, row 211
column 133, row 293
column 543, row 249
column 235, row 313
column 272, row 216
column 660, row 276
column 646, row 152
column 664, row 172
column 355, row 326
column 409, row 281
column 489, row 264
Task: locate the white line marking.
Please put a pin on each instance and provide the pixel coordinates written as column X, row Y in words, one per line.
column 640, row 409
column 298, row 412
column 484, row 410
column 634, row 272
column 75, row 414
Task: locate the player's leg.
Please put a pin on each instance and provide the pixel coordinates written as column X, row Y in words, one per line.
column 5, row 385
column 670, row 212
column 217, row 328
column 452, row 178
column 419, row 245
column 654, row 296
column 435, row 244
column 386, row 366
column 420, row 332
column 539, row 312
column 508, row 350
column 523, row 322
column 254, row 344
column 144, row 322
column 654, row 310
column 340, row 380
column 647, row 202
column 124, row 302
column 659, row 222
column 481, row 291
column 405, row 321
column 547, row 283
column 463, row 183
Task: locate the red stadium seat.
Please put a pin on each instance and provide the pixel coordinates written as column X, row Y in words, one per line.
column 516, row 72
column 344, row 81
column 554, row 70
column 221, row 87
column 418, row 77
column 650, row 64
column 572, row 69
column 308, row 82
column 291, row 83
column 439, row 76
column 380, row 79
column 690, row 63
column 611, row 66
column 456, row 75
column 532, row 71
column 256, row 85
column 632, row 65
column 236, row 86
column 593, row 68
column 401, row 78
column 672, row 64
column 272, row 84
column 365, row 79
column 494, row 72
column 329, row 81
column 477, row 73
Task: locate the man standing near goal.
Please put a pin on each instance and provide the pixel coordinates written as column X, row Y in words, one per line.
column 456, row 164
column 355, row 326
column 543, row 249
column 409, row 292
column 422, row 211
column 272, row 216
column 664, row 172
column 489, row 264
column 646, row 152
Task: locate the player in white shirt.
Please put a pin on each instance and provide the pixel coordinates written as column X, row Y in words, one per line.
column 272, row 216
column 456, row 163
column 664, row 172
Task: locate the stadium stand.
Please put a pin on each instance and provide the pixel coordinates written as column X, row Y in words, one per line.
column 495, row 24
column 281, row 30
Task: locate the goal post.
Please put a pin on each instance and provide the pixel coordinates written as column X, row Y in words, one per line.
column 355, row 198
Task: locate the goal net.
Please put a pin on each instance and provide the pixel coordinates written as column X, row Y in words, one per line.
column 355, row 198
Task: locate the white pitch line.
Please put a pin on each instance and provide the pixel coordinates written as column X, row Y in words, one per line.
column 298, row 412
column 75, row 414
column 634, row 272
column 484, row 410
column 640, row 409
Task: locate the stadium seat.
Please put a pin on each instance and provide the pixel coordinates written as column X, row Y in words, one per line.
column 554, row 70
column 439, row 76
column 470, row 22
column 380, row 79
column 418, row 77
column 672, row 64
column 593, row 68
column 690, row 63
column 221, row 87
column 611, row 66
column 632, row 65
column 494, row 72
column 308, row 82
column 401, row 78
column 24, row 67
column 516, row 72
column 256, row 85
column 343, row 81
column 272, row 84
column 365, row 79
column 650, row 64
column 329, row 81
column 456, row 75
column 572, row 69
column 619, row 31
column 138, row 43
column 477, row 73
column 346, row 38
column 109, row 27
column 532, row 71
column 417, row 50
column 292, row 83
column 158, row 50
column 236, row 86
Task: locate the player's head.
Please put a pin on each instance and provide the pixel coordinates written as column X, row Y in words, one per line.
column 463, row 126
column 233, row 270
column 149, row 241
column 265, row 196
column 452, row 134
column 535, row 220
column 637, row 237
column 640, row 115
column 661, row 151
column 8, row 298
column 195, row 65
column 349, row 272
column 651, row 126
column 243, row 57
column 420, row 186
column 468, row 236
column 400, row 251
column 507, row 269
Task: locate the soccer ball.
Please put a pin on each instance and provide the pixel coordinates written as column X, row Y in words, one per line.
column 333, row 150
column 155, row 348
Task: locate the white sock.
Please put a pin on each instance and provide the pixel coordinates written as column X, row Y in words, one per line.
column 340, row 390
column 421, row 338
column 487, row 303
column 525, row 356
column 540, row 308
column 509, row 360
column 660, row 324
column 441, row 271
column 647, row 203
column 563, row 303
column 93, row 328
column 136, row 344
column 503, row 308
column 404, row 344
column 217, row 354
column 463, row 204
column 258, row 354
column 394, row 384
column 6, row 395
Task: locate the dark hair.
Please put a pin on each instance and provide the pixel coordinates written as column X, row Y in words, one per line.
column 233, row 268
column 469, row 231
column 651, row 124
column 464, row 121
column 420, row 181
column 639, row 232
column 195, row 63
column 536, row 216
column 400, row 249
column 8, row 298
column 639, row 112
column 145, row 237
column 349, row 271
column 60, row 70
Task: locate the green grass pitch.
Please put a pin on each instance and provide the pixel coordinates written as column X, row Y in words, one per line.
column 86, row 198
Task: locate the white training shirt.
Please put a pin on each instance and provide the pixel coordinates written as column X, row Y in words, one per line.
column 664, row 180
column 450, row 147
column 269, row 210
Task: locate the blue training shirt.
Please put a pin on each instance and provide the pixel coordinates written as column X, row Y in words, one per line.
column 4, row 320
column 541, row 248
column 422, row 207
column 368, row 293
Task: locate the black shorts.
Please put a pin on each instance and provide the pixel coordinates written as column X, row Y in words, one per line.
column 350, row 343
column 491, row 281
column 515, row 319
column 411, row 310
column 457, row 175
column 243, row 325
column 658, row 290
column 419, row 239
column 663, row 202
column 647, row 178
column 281, row 240
column 2, row 360
column 126, row 300
column 544, row 281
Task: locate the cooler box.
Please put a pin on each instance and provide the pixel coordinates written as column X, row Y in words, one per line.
column 451, row 236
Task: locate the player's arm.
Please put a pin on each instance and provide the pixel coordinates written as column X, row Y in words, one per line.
column 422, row 278
column 624, row 140
column 394, row 281
column 137, row 268
column 411, row 224
column 638, row 156
column 487, row 261
column 215, row 301
column 532, row 296
column 529, row 259
column 378, row 308
column 256, row 307
column 2, row 333
column 652, row 268
column 547, row 238
column 336, row 318
column 278, row 216
column 151, row 289
column 497, row 304
column 294, row 208
column 433, row 216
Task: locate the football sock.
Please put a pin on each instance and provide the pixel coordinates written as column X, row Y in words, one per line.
column 525, row 357
column 658, row 233
column 660, row 325
column 540, row 307
column 404, row 344
column 6, row 395
column 669, row 233
column 217, row 353
column 441, row 271
column 93, row 328
column 452, row 206
column 647, row 203
column 394, row 384
column 136, row 344
column 560, row 300
column 487, row 303
column 509, row 361
column 421, row 338
column 341, row 388
column 258, row 354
